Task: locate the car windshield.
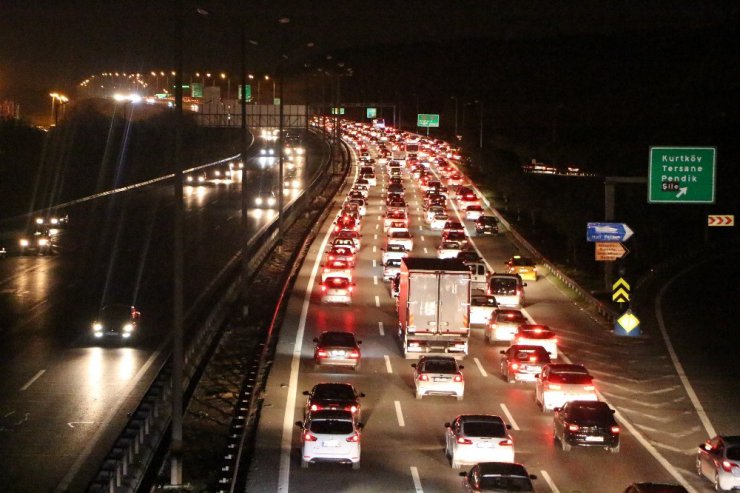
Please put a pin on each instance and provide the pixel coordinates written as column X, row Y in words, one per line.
column 484, row 429
column 499, row 483
column 522, row 262
column 338, row 392
column 483, row 301
column 338, row 339
column 570, row 378
column 115, row 312
column 533, row 355
column 440, row 366
column 331, row 426
column 503, row 286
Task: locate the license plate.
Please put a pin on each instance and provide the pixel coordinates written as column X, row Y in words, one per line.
column 330, row 443
column 594, row 439
column 440, row 379
column 338, row 354
column 485, row 444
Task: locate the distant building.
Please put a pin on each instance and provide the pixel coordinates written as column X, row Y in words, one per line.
column 10, row 110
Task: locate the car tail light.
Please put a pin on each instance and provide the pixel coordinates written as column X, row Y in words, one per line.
column 331, row 257
column 323, row 288
column 423, row 377
column 589, row 388
column 615, row 430
column 514, row 365
column 728, row 466
column 355, row 438
column 464, row 441
column 572, row 427
column 315, row 407
column 458, row 378
column 308, row 437
column 553, row 386
column 322, row 353
column 350, row 289
column 533, row 359
column 355, row 354
column 506, row 443
column 352, row 409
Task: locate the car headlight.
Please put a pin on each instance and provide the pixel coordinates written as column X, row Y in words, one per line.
column 23, row 242
column 97, row 327
column 258, row 201
column 128, row 328
column 43, row 241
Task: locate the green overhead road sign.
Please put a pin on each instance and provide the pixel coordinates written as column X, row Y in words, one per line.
column 196, row 90
column 423, row 120
column 248, row 91
column 372, row 112
column 337, row 111
column 683, row 175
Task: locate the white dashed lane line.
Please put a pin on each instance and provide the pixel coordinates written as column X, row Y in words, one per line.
column 549, row 481
column 417, row 480
column 480, row 367
column 375, row 280
column 509, row 417
column 381, row 329
column 377, row 301
column 399, row 414
column 35, row 377
column 388, row 366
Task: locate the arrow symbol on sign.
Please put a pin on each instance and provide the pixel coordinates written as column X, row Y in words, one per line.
column 682, row 191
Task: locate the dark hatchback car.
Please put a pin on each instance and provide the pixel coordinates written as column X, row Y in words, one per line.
column 333, row 397
column 586, row 423
column 655, row 488
column 486, row 225
column 522, row 362
column 497, row 476
column 116, row 320
column 337, row 348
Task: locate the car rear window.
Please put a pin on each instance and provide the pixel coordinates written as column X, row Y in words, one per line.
column 536, row 334
column 733, row 453
column 590, row 412
column 501, row 483
column 339, row 392
column 509, row 318
column 440, row 366
column 570, row 378
column 338, row 339
column 331, row 426
column 337, row 282
column 503, row 286
column 484, row 429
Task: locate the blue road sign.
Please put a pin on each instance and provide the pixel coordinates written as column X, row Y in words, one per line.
column 607, row 232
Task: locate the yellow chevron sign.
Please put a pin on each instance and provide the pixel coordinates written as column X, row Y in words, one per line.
column 620, row 291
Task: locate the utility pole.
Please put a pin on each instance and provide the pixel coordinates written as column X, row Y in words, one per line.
column 244, row 195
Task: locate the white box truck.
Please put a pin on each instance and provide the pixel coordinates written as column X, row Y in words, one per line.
column 434, row 307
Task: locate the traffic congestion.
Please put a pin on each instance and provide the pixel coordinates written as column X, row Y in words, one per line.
column 416, row 265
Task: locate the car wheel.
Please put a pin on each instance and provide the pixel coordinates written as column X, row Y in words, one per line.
column 564, row 444
column 355, row 466
column 615, row 449
column 304, row 464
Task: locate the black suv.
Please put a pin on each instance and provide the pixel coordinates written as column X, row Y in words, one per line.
column 486, row 225
column 586, row 423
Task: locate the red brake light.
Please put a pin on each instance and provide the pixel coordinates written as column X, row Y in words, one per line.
column 331, row 257
column 323, row 288
column 589, row 388
column 514, row 366
column 352, row 409
column 464, row 441
column 350, row 289
column 315, row 407
column 533, row 359
column 458, row 378
column 507, row 442
column 308, row 437
column 423, row 377
column 538, row 330
column 615, row 430
column 354, row 438
column 572, row 427
column 322, row 353
column 355, row 354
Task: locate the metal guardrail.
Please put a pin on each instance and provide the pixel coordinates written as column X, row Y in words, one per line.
column 124, row 467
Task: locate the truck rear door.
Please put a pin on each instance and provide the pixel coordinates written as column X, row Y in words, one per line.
column 454, row 303
column 422, row 302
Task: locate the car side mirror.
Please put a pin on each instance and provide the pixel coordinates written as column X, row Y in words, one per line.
column 305, row 392
column 362, row 394
column 524, row 284
column 508, row 427
column 538, row 376
column 462, row 474
column 613, row 411
column 462, row 367
column 360, row 425
column 532, row 476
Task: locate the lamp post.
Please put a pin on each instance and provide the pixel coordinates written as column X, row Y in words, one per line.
column 283, row 21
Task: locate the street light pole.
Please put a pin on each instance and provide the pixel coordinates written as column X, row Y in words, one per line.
column 244, row 196
column 281, row 139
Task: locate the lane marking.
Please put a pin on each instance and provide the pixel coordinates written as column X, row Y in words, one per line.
column 381, row 329
column 417, row 481
column 425, row 250
column 513, row 423
column 35, row 377
column 377, row 226
column 549, row 481
column 376, row 236
column 399, row 414
column 374, row 249
column 290, row 402
column 421, row 228
column 375, row 263
column 480, row 367
column 375, row 280
column 674, row 357
column 422, row 237
column 388, row 366
column 377, row 301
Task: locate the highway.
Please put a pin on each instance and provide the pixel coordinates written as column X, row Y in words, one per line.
column 65, row 397
column 402, row 441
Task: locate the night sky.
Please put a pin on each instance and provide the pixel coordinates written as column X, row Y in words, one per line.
column 48, row 45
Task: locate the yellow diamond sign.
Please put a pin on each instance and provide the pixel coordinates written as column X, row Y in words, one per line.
column 627, row 323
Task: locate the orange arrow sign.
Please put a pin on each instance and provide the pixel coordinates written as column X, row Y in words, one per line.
column 610, row 251
column 721, row 220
